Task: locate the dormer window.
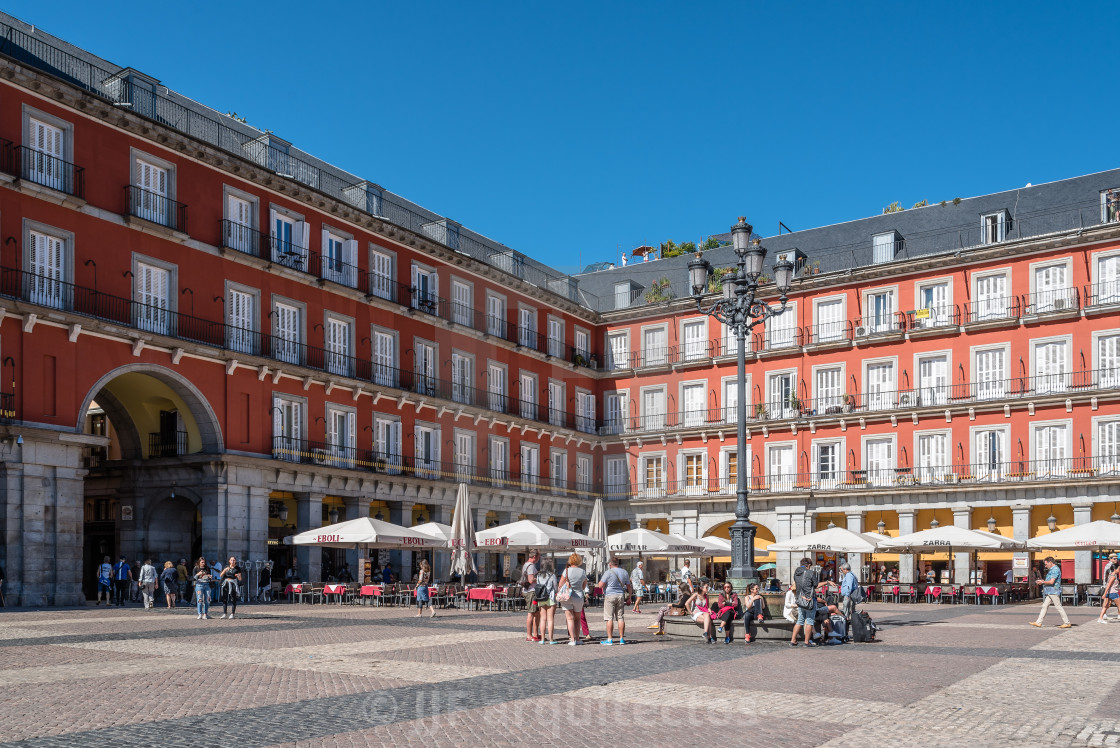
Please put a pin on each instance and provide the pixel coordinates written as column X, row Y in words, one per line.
column 885, row 246
column 1110, row 205
column 994, row 227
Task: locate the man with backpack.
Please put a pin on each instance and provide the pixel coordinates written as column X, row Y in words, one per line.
column 851, row 594
column 805, row 581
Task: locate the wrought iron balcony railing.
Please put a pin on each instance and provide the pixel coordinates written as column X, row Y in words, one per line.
column 49, row 171
column 157, row 208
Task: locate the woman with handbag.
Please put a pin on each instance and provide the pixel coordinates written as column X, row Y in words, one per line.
column 727, row 610
column 698, row 608
column 546, row 600
column 570, row 595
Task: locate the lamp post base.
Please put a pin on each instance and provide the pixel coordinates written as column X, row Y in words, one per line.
column 740, row 584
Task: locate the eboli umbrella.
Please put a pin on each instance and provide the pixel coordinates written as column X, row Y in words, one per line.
column 527, row 534
column 1097, row 535
column 830, row 540
column 364, row 532
column 596, row 558
column 437, row 530
column 640, row 541
column 462, row 535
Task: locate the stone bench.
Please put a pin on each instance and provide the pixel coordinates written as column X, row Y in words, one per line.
column 683, row 627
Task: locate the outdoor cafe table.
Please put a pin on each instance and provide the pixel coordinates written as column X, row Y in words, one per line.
column 478, row 595
column 334, row 589
column 300, row 589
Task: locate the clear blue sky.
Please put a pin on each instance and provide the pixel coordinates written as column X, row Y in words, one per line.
column 571, row 131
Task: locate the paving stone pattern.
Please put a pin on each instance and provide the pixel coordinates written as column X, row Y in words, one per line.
column 347, row 676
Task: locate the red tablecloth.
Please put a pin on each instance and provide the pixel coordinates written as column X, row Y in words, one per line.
column 432, row 591
column 485, row 593
column 293, row 588
column 933, row 591
column 373, row 590
column 334, row 589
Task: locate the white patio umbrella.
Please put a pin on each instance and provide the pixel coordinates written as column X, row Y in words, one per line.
column 595, row 559
column 437, row 530
column 526, row 534
column 364, row 532
column 640, row 541
column 715, row 546
column 462, row 535
column 1097, row 535
column 830, row 540
column 944, row 538
column 1008, row 544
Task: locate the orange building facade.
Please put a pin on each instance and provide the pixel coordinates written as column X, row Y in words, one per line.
column 210, row 340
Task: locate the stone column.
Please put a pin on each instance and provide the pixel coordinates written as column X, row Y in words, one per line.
column 508, row 561
column 855, row 524
column 309, row 515
column 906, row 560
column 1021, row 530
column 789, row 526
column 962, row 561
column 357, row 507
column 441, row 560
column 258, row 523
column 1082, row 560
column 400, row 513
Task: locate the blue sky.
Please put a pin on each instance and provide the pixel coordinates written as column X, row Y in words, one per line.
column 574, row 131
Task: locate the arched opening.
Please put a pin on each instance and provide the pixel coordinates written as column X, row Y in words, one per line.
column 763, row 537
column 174, row 530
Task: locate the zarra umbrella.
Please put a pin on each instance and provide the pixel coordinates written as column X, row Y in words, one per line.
column 830, row 540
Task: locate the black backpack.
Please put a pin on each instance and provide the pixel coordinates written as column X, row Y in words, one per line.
column 863, row 630
column 806, row 581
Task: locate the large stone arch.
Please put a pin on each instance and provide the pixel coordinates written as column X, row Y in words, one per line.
column 206, row 420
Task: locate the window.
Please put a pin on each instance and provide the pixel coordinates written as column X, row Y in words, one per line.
column 1108, row 360
column 826, row 463
column 585, row 412
column 387, row 443
column 425, row 289
column 559, row 469
column 652, row 476
column 556, row 403
column 290, row 238
column 385, row 359
column 287, row 333
column 462, row 303
column 527, row 327
column 880, row 312
column 238, row 226
column 1108, row 445
column 991, row 377
column 340, row 259
column 1108, row 280
column 618, row 351
column 496, row 315
column 654, row 346
column 883, row 247
column 692, row 404
column 879, row 461
column 527, row 390
column 729, row 470
column 339, row 346
column 152, row 192
column 555, row 337
column 731, row 400
column 694, row 334
column 994, row 227
column 241, row 316
column 653, row 409
column 781, row 468
column 464, row 454
column 693, row 473
column 782, row 329
column 583, row 473
column 462, row 375
column 499, row 459
column 616, row 410
column 496, row 387
column 992, row 300
column 1051, row 366
column 583, row 345
column 830, row 321
column 991, row 455
column 153, row 298
column 618, row 477
column 381, row 282
column 426, row 382
column 48, row 144
column 731, row 342
column 426, row 456
column 621, row 295
column 341, row 436
column 1051, row 449
column 1110, row 205
column 1052, row 291
column 933, row 380
column 782, row 396
column 287, row 428
column 932, row 457
column 530, row 465
column 881, row 390
column 47, row 263
column 933, row 305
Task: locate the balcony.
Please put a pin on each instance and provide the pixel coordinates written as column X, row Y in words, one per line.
column 46, row 170
column 1055, row 302
column 829, row 334
column 881, row 328
column 167, row 445
column 156, row 208
column 779, row 341
column 993, row 312
column 931, row 321
column 1102, row 295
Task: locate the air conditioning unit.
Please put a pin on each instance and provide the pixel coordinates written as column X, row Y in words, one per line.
column 861, row 332
column 904, row 400
column 1059, row 304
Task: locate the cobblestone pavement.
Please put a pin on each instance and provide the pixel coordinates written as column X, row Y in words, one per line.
column 329, row 675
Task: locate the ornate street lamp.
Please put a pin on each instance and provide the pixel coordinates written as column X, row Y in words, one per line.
column 740, row 310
